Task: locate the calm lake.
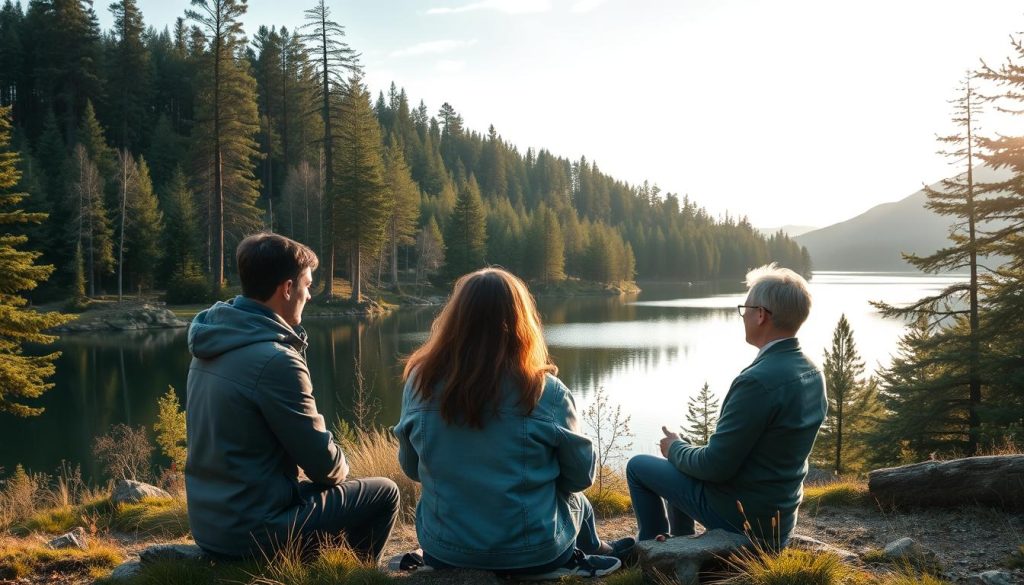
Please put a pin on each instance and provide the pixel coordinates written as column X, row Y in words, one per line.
column 650, row 352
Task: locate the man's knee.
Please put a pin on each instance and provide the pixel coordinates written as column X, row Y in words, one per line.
column 387, row 492
column 635, row 467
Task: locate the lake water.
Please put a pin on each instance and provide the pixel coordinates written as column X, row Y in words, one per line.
column 650, row 352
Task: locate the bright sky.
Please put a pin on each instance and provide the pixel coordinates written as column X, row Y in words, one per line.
column 790, row 112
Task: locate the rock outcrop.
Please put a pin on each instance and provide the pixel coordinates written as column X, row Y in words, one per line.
column 127, row 491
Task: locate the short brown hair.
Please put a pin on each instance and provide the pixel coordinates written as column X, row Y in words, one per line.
column 266, row 259
column 488, row 333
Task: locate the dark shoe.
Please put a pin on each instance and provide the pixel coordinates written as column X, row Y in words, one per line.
column 580, row 564
column 621, row 549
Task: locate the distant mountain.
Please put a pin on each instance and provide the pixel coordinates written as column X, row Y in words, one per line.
column 874, row 240
column 790, row 230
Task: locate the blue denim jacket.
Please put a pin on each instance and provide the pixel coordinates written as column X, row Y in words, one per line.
column 498, row 497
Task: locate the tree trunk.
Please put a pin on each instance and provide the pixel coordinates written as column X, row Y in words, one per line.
column 995, row 480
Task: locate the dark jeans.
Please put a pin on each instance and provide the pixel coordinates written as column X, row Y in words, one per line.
column 654, row 485
column 363, row 511
column 586, row 540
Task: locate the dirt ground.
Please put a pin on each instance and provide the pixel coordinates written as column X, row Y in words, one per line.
column 966, row 541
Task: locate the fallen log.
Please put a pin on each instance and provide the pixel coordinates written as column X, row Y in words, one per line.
column 996, row 480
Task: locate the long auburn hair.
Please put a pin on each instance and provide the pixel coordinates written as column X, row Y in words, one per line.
column 487, row 334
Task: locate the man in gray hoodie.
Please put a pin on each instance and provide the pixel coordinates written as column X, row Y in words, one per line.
column 262, row 468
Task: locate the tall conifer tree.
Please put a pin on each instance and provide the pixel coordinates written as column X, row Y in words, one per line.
column 227, row 124
column 361, row 206
column 333, row 60
column 466, row 236
column 129, row 78
column 405, row 208
column 21, row 376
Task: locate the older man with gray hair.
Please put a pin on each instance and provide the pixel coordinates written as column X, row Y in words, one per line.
column 749, row 477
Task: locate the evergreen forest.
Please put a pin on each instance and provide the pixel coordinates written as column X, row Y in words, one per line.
column 154, row 149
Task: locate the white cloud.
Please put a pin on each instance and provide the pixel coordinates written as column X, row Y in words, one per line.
column 450, row 66
column 581, row 6
column 506, row 6
column 433, row 47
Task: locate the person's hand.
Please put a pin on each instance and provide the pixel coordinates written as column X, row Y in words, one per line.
column 667, row 441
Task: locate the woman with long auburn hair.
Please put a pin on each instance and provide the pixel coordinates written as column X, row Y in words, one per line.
column 493, row 437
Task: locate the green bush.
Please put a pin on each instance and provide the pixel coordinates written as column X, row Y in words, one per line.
column 187, row 289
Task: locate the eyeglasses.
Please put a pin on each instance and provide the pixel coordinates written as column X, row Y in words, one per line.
column 741, row 309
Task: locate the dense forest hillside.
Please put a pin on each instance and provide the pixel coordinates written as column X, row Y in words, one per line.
column 155, row 149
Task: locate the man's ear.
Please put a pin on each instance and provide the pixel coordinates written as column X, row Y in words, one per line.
column 287, row 289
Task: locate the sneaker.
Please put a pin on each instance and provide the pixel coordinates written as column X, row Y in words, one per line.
column 621, row 549
column 580, row 564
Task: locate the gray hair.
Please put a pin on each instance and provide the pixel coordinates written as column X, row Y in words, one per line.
column 781, row 291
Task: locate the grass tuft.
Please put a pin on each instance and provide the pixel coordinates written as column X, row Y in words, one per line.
column 844, row 493
column 609, row 503
column 909, row 577
column 20, row 560
column 632, row 576
column 610, row 496
column 375, row 454
column 153, row 517
column 790, row 567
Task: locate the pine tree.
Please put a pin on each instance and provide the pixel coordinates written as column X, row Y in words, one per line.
column 429, row 250
column 405, row 207
column 853, row 406
column 466, row 236
column 140, row 226
column 361, row 206
column 301, row 205
column 546, row 246
column 957, row 197
column 180, row 240
column 225, row 134
column 21, row 376
column 128, row 80
column 334, row 59
column 1003, row 321
column 702, row 416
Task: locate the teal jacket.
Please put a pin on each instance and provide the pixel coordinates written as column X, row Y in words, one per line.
column 500, row 497
column 252, row 424
column 758, row 452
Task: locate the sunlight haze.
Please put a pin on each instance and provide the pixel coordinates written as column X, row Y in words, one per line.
column 794, row 112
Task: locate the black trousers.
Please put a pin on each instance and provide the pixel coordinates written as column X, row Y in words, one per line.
column 362, row 511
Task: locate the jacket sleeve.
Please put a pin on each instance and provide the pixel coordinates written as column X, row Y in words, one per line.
column 284, row 394
column 408, row 458
column 577, row 461
column 745, row 415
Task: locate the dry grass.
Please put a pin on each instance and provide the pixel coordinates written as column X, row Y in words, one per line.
column 153, row 518
column 843, row 493
column 791, row 567
column 20, row 559
column 610, row 497
column 331, row 564
column 374, row 453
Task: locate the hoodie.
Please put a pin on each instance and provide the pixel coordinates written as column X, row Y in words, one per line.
column 253, row 429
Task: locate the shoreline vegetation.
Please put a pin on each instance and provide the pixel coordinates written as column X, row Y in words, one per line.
column 36, row 508
column 150, row 311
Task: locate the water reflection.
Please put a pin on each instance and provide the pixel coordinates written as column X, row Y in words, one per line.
column 651, row 352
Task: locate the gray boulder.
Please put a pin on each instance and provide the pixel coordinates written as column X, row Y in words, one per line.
column 171, row 552
column 126, row 571
column 74, row 539
column 128, row 491
column 814, row 545
column 683, row 557
column 993, row 578
column 911, row 551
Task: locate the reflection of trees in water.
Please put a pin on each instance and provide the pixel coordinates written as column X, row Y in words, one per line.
column 585, row 369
